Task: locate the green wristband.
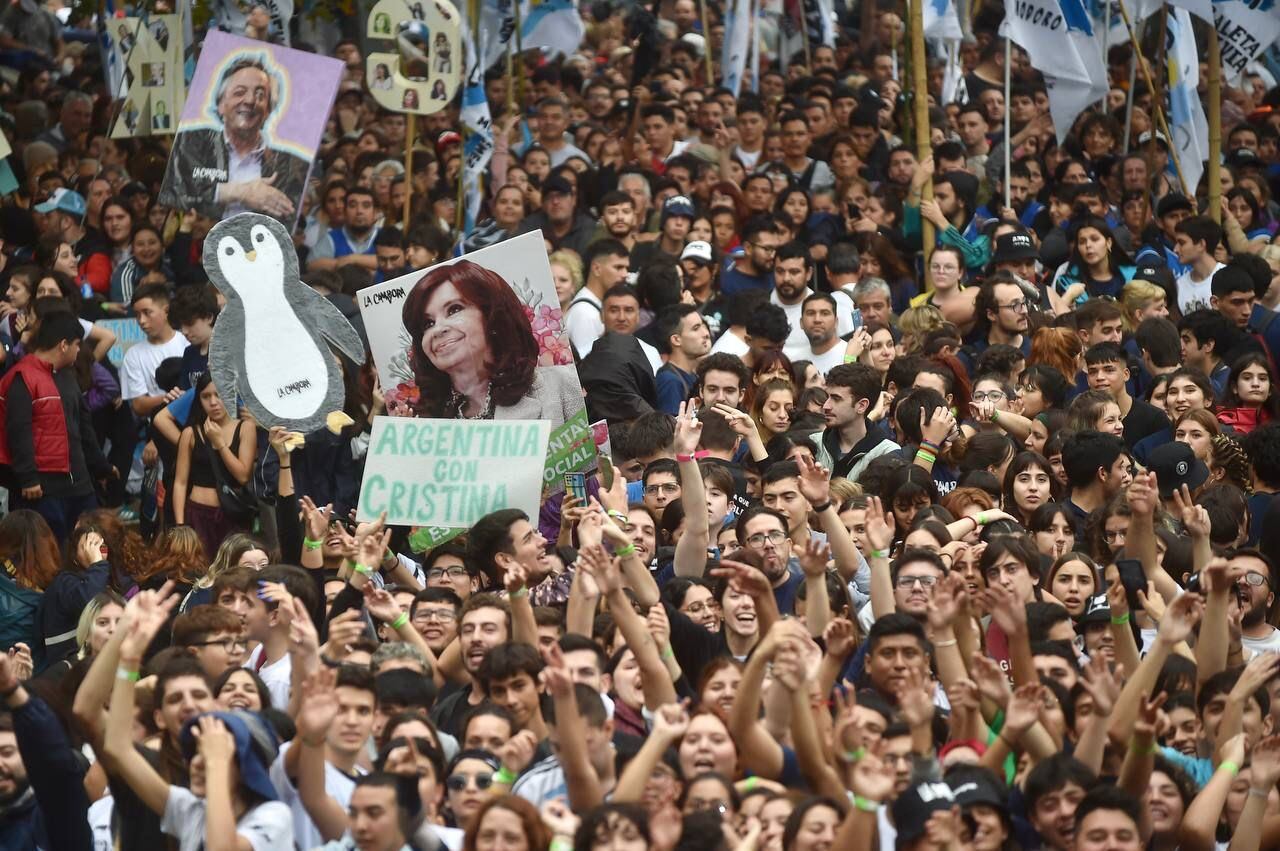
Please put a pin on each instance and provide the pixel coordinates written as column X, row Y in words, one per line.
column 1231, row 766
column 399, row 622
column 623, row 552
column 854, row 755
column 518, row 593
column 668, row 653
column 362, row 569
column 1120, row 620
column 309, row 544
column 865, row 804
column 503, row 776
column 879, row 553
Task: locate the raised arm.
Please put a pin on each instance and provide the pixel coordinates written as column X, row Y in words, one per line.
column 815, row 485
column 1179, row 622
column 582, row 781
column 1140, row 542
column 1263, row 776
column 1198, row 831
column 758, row 752
column 879, row 539
column 1219, row 582
column 691, row 549
column 145, row 614
column 669, row 725
column 318, row 711
column 1101, row 685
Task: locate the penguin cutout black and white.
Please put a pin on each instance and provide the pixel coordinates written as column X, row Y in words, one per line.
column 271, row 342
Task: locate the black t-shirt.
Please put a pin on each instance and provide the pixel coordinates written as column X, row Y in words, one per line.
column 132, row 822
column 1143, row 420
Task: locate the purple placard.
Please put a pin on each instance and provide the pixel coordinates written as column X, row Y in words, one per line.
column 283, row 128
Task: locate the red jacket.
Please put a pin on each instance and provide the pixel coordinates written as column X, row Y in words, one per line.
column 1243, row 420
column 48, row 421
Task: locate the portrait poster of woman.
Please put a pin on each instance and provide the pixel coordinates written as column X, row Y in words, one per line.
column 477, row 337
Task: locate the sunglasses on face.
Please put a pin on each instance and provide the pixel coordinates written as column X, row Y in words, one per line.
column 458, row 782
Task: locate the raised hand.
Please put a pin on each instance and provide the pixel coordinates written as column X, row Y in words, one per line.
column 303, row 638
column 1101, row 684
column 276, row 592
column 20, row 662
column 517, row 752
column 145, row 615
column 559, row 819
column 991, row 681
column 555, row 677
column 858, row 343
column 879, row 526
column 1180, row 618
column 814, row 558
column 381, row 604
column 936, row 426
column 1152, row 603
column 915, row 700
column 319, row 705
column 1142, row 494
column 872, row 778
column 743, row 578
column 688, row 429
column 740, row 422
column 214, row 740
column 815, row 481
column 949, row 596
column 590, row 529
column 1149, row 716
column 1195, row 518
column 315, row 519
column 789, row 667
column 515, row 579
column 1006, row 611
column 1024, row 708
column 1266, row 763
column 670, row 722
column 372, row 545
column 89, row 549
column 601, row 567
column 839, row 638
column 1117, row 599
column 344, row 629
column 659, row 625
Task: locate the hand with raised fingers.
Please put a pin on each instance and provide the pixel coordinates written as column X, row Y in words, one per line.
column 872, row 778
column 688, row 429
column 880, row 526
column 380, row 603
column 670, row 722
column 303, row 638
column 789, row 667
column 1152, row 603
column 517, row 752
column 559, row 819
column 1180, row 618
column 1149, row 716
column 815, row 481
column 915, row 699
column 1024, row 709
column 743, row 578
column 839, row 638
column 371, row 547
column 555, row 677
column 948, row 596
column 601, row 567
column 1195, row 518
column 315, row 520
column 1142, row 494
column 814, row 558
column 992, row 682
column 1097, row 679
column 319, row 705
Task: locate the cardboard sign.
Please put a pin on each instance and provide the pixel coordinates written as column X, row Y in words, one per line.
column 247, row 97
column 450, row 473
column 128, row 334
column 415, row 57
column 271, row 346
column 153, row 87
column 422, row 376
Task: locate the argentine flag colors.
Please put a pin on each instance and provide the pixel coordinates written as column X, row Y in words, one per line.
column 1058, row 36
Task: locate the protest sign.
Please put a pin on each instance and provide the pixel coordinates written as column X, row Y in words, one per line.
column 128, row 334
column 450, row 473
column 415, row 54
column 271, row 346
column 237, row 16
column 1246, row 28
column 152, row 90
column 506, row 295
column 246, row 97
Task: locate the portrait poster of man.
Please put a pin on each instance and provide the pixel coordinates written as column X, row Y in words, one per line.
column 249, row 131
column 482, row 337
column 152, row 88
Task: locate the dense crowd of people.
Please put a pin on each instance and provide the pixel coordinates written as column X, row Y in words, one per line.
column 966, row 545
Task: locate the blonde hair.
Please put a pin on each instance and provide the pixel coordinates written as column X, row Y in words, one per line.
column 1139, row 295
column 843, row 490
column 918, row 321
column 89, row 614
column 571, row 263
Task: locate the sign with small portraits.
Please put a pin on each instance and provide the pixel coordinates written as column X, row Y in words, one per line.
column 415, row 56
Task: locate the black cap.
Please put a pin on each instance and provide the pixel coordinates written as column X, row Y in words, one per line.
column 1014, row 246
column 914, row 806
column 556, row 183
column 1097, row 610
column 972, row 785
column 1175, row 464
column 1157, row 274
column 1173, row 201
column 1243, row 157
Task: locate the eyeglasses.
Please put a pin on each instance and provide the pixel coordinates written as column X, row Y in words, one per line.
column 1016, row 306
column 228, row 644
column 758, row 540
column 455, row 572
column 704, row 606
column 1254, row 579
column 767, row 249
column 669, row 488
column 428, row 615
column 1113, row 535
column 458, row 782
column 698, row 805
column 905, row 582
column 989, row 396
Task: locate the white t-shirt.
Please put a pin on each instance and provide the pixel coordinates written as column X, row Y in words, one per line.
column 275, row 676
column 583, row 322
column 1194, row 294
column 797, row 345
column 829, row 359
column 268, row 826
column 730, row 344
column 337, row 785
column 138, row 372
column 1270, row 644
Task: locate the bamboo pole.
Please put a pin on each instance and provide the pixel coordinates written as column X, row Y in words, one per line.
column 1128, row 107
column 1008, row 131
column 1156, row 105
column 920, row 95
column 1214, row 171
column 519, row 60
column 706, row 42
column 411, row 126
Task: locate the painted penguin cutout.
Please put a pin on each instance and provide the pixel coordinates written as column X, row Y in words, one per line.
column 271, row 344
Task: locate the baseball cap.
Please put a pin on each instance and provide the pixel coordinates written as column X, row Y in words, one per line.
column 448, row 137
column 1175, row 464
column 1242, row 157
column 1160, row 139
column 64, row 200
column 1097, row 610
column 1172, row 202
column 555, row 183
column 1161, row 276
column 972, row 785
column 256, row 747
column 913, row 807
column 697, row 250
column 677, row 205
column 1014, row 246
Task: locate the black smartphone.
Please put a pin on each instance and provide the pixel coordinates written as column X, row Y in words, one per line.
column 1132, row 577
column 855, row 212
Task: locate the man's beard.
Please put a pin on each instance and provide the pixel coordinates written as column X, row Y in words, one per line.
column 1255, row 615
column 820, row 339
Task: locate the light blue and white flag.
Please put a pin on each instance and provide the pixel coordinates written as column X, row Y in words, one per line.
column 477, row 148
column 554, row 26
column 114, row 54
column 1142, row 9
column 1187, row 122
column 1058, row 35
column 941, row 20
column 1246, row 28
column 496, row 30
column 737, row 42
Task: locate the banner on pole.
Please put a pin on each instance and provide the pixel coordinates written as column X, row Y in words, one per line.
column 1246, row 28
column 1058, row 36
column 153, row 86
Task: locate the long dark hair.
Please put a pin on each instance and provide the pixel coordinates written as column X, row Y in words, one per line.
column 1116, row 257
column 509, row 336
column 1231, row 398
column 1022, row 462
